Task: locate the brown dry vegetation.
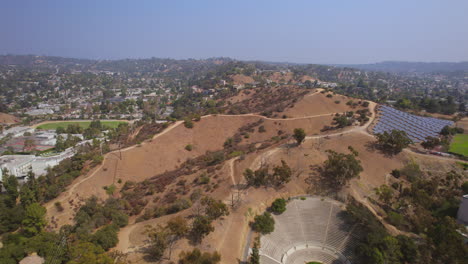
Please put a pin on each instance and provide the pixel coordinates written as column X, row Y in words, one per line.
column 268, row 100
column 318, row 104
column 163, row 170
column 8, row 119
column 241, row 79
column 241, row 96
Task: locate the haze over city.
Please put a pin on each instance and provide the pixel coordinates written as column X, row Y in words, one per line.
column 228, row 132
column 341, row 32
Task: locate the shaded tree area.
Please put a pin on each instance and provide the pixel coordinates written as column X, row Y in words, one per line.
column 299, row 135
column 339, row 168
column 420, row 202
column 264, row 223
column 262, row 177
column 278, row 206
column 23, row 225
column 163, row 238
column 197, row 257
column 393, row 142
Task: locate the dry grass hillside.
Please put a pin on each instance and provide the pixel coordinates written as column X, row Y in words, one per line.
column 8, row 119
column 241, row 79
column 163, row 170
column 319, row 104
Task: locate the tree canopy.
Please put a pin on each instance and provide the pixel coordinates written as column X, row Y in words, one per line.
column 299, row 135
column 341, row 167
column 393, row 142
column 264, row 223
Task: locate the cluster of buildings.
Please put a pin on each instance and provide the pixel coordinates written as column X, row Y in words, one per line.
column 14, row 140
column 20, row 165
column 26, row 139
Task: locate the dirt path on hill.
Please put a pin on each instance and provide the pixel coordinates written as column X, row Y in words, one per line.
column 124, row 239
column 125, row 233
column 79, row 120
column 67, row 194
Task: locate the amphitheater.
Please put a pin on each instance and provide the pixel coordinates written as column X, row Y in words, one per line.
column 313, row 229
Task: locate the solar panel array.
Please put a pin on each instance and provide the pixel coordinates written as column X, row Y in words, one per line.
column 417, row 128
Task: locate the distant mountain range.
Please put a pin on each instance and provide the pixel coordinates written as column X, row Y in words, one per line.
column 386, row 66
column 417, row 67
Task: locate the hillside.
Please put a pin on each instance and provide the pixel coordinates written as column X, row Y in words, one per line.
column 8, row 119
column 161, row 171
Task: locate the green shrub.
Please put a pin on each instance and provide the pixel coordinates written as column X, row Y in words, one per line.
column 106, row 237
column 465, row 187
column 110, row 189
column 189, row 147
column 395, row 219
column 188, row 123
column 264, row 223
column 204, row 179
column 278, row 206
column 59, row 206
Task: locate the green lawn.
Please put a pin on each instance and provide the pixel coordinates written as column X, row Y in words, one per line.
column 459, row 144
column 83, row 124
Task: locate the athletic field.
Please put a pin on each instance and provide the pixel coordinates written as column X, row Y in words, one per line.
column 83, row 124
column 459, row 144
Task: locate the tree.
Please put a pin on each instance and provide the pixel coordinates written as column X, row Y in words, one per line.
column 255, row 255
column 10, row 183
column 106, row 237
column 178, row 226
column 27, row 195
column 158, row 241
column 87, row 252
column 385, row 193
column 342, row 121
column 465, row 187
column 264, row 223
column 340, row 167
column 281, row 174
column 188, row 123
column 214, row 209
column 197, row 257
column 257, row 178
column 34, row 220
column 430, row 142
column 448, row 242
column 278, row 206
column 60, row 143
column 299, row 135
column 201, row 227
column 393, row 142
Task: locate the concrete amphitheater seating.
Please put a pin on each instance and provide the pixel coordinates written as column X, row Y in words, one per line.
column 310, row 230
column 298, row 257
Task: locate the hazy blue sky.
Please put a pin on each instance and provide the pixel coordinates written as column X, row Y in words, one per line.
column 312, row 31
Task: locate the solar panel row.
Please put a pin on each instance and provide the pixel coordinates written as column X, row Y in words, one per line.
column 417, row 128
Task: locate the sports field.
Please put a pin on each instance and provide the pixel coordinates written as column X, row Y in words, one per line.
column 459, row 144
column 83, row 124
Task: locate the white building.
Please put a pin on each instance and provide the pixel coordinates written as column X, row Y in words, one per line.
column 17, row 165
column 20, row 165
column 37, row 112
column 17, row 131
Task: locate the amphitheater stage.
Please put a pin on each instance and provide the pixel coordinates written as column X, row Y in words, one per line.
column 314, row 229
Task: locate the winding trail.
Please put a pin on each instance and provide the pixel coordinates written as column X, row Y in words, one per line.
column 124, row 244
column 67, row 194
